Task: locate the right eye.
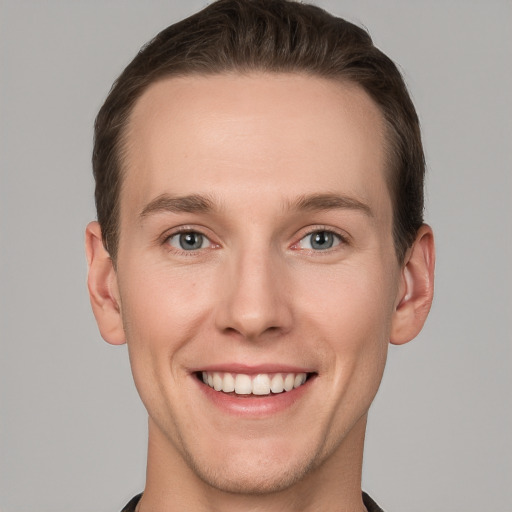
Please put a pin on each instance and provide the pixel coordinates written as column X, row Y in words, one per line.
column 189, row 241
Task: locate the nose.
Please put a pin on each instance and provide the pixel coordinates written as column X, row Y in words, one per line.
column 254, row 302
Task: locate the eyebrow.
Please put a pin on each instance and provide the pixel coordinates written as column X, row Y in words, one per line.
column 196, row 203
column 320, row 202
column 193, row 203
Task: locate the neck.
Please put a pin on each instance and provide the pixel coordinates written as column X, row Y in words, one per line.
column 332, row 485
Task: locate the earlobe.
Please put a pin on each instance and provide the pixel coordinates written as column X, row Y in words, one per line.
column 416, row 288
column 102, row 285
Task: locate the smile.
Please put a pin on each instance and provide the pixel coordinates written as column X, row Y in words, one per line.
column 260, row 384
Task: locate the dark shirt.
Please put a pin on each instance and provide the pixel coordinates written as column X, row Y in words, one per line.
column 370, row 505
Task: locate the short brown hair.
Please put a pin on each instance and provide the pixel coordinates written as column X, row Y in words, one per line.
column 272, row 36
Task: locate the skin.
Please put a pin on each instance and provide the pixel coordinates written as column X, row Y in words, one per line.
column 256, row 292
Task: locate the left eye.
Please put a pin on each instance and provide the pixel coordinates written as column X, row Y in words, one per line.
column 320, row 240
column 189, row 241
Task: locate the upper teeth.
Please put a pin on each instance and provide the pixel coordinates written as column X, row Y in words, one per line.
column 261, row 384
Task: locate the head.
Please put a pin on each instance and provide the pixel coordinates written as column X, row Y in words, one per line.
column 260, row 241
column 274, row 36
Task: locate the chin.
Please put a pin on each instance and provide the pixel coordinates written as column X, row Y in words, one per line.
column 251, row 474
column 252, row 482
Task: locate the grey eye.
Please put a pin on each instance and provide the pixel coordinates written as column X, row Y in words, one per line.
column 189, row 241
column 320, row 240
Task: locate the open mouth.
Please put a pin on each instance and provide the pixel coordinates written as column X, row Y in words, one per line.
column 262, row 384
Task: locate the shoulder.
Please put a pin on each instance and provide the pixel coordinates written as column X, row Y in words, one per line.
column 130, row 506
column 370, row 505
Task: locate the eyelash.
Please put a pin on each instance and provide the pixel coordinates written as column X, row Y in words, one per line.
column 341, row 240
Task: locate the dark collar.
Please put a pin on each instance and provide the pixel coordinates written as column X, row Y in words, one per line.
column 370, row 505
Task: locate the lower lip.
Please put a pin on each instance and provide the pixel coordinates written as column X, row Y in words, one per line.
column 254, row 405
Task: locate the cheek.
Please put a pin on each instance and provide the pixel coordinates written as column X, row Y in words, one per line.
column 351, row 310
column 358, row 298
column 162, row 310
column 163, row 300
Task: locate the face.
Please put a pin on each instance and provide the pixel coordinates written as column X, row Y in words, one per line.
column 256, row 275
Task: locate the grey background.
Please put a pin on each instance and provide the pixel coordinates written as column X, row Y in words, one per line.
column 72, row 430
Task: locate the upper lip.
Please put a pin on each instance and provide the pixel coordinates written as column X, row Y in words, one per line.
column 252, row 369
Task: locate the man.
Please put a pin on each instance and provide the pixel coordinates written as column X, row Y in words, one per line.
column 260, row 241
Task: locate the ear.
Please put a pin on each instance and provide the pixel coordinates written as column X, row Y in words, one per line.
column 416, row 288
column 102, row 285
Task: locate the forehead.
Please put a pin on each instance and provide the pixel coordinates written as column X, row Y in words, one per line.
column 259, row 132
